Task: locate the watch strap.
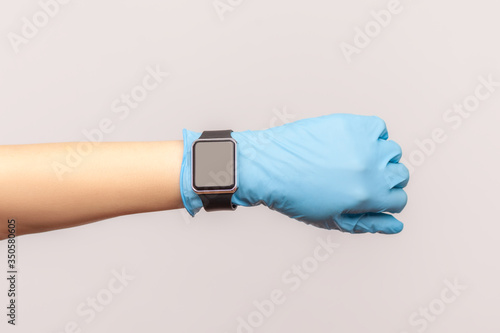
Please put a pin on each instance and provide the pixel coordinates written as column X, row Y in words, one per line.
column 213, row 202
column 221, row 134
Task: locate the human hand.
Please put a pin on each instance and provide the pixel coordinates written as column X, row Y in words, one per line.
column 337, row 171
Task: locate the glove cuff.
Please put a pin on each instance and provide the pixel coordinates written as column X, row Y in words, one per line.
column 251, row 180
column 191, row 200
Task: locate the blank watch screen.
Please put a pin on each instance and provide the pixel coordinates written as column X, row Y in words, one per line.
column 213, row 165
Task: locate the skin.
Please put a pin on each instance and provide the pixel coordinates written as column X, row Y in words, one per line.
column 116, row 178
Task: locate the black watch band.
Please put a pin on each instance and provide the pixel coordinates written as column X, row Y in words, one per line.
column 220, row 201
column 213, row 202
column 225, row 134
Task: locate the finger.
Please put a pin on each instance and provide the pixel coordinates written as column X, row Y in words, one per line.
column 381, row 128
column 395, row 201
column 378, row 222
column 397, row 175
column 390, row 151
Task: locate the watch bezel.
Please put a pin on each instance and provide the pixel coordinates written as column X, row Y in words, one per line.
column 215, row 189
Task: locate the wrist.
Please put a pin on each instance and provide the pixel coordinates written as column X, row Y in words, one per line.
column 252, row 178
column 250, row 172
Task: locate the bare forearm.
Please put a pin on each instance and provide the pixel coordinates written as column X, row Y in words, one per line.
column 114, row 179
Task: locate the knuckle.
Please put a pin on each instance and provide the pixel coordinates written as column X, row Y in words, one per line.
column 379, row 121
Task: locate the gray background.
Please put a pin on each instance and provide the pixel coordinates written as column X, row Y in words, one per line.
column 264, row 58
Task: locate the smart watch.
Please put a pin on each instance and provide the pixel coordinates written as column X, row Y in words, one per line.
column 214, row 176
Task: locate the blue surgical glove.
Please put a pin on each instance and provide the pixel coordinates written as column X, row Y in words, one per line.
column 337, row 171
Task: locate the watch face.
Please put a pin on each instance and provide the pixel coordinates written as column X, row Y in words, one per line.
column 214, row 165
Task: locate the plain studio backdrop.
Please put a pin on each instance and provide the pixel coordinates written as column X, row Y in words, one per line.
column 423, row 66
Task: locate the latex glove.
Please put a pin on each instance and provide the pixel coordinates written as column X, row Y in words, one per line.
column 337, row 171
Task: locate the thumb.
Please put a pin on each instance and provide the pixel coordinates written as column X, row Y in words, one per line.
column 373, row 222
